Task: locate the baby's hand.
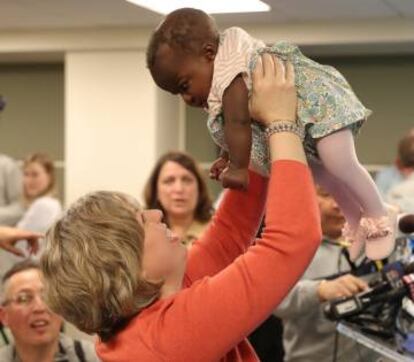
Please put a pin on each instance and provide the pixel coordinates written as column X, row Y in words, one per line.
column 218, row 167
column 235, row 178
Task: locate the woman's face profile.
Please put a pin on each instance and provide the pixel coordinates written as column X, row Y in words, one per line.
column 164, row 254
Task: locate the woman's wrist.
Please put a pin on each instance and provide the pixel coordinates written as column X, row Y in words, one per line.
column 282, row 126
column 286, row 146
column 320, row 290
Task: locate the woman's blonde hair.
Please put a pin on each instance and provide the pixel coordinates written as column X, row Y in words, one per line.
column 43, row 160
column 93, row 264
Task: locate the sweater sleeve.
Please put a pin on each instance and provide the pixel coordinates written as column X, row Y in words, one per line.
column 14, row 183
column 216, row 313
column 232, row 229
column 10, row 214
column 13, row 211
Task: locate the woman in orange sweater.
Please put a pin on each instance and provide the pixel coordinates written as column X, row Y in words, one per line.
column 116, row 270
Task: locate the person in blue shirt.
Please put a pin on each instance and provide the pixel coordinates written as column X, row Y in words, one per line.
column 390, row 176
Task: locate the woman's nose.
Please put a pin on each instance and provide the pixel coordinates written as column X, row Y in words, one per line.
column 178, row 185
column 153, row 215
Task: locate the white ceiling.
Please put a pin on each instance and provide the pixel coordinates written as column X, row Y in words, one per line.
column 47, row 14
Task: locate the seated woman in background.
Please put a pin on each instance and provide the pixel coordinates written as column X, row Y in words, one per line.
column 41, row 207
column 177, row 187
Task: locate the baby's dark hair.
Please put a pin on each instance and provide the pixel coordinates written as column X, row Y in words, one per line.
column 185, row 29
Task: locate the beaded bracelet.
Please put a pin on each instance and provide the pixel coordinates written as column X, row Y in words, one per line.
column 285, row 126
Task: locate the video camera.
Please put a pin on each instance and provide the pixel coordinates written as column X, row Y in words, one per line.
column 394, row 282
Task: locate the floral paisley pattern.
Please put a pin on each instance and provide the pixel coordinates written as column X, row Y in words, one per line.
column 326, row 103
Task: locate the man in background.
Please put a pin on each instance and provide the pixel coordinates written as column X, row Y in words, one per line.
column 393, row 175
column 401, row 194
column 34, row 327
column 308, row 336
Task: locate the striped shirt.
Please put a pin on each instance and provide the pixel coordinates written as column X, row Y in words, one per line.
column 233, row 57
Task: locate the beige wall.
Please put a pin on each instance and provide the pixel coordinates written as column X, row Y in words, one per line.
column 117, row 121
column 385, row 86
column 400, row 31
column 115, row 118
column 111, row 125
column 33, row 118
column 170, row 123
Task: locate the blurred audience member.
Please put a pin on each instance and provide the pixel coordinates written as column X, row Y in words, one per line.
column 177, row 187
column 392, row 175
column 10, row 187
column 42, row 208
column 35, row 329
column 11, row 209
column 9, row 236
column 402, row 193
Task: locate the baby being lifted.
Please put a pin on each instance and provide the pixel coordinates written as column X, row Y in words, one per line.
column 188, row 56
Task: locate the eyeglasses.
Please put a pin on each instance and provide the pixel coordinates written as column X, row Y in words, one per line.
column 24, row 299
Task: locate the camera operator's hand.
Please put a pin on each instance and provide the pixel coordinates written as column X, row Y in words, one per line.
column 344, row 286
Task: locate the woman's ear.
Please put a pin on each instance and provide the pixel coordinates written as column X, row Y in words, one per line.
column 3, row 316
column 209, row 51
column 139, row 217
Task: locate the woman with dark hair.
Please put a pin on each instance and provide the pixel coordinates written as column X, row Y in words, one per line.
column 178, row 188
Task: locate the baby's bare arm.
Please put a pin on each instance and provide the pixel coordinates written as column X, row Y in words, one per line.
column 237, row 125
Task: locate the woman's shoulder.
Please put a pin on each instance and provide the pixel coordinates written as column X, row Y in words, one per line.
column 197, row 227
column 195, row 231
column 40, row 214
column 48, row 202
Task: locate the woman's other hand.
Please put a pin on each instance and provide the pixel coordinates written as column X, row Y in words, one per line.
column 10, row 236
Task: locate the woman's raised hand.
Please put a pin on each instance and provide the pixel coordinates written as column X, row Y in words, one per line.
column 273, row 92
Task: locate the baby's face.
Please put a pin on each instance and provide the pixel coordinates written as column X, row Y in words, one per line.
column 185, row 74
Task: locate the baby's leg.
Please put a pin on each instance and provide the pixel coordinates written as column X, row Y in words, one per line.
column 346, row 201
column 349, row 206
column 238, row 136
column 337, row 152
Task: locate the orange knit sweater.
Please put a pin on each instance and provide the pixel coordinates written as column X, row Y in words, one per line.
column 230, row 286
